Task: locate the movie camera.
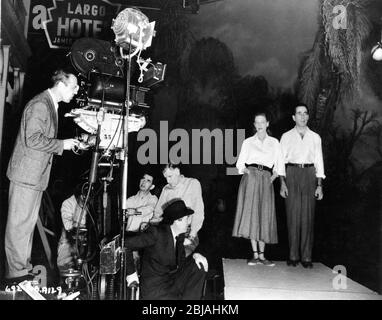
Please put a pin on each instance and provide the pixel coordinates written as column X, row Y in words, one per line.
column 103, row 94
column 105, row 68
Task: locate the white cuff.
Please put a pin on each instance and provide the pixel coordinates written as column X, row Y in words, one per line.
column 132, row 278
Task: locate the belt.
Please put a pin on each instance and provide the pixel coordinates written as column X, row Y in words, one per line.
column 300, row 165
column 259, row 167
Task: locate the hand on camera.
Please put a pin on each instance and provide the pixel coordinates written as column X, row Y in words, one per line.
column 69, row 144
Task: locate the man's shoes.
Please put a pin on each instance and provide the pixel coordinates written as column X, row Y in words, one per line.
column 291, row 262
column 16, row 280
column 307, row 264
column 253, row 261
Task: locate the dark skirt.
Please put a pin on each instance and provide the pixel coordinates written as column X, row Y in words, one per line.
column 255, row 210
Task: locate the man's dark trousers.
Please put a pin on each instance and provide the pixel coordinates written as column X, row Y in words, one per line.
column 300, row 207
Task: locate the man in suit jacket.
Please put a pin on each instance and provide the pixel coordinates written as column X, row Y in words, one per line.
column 29, row 170
column 166, row 272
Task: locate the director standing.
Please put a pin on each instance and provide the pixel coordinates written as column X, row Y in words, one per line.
column 29, row 170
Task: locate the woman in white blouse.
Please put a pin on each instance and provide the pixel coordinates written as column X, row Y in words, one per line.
column 261, row 162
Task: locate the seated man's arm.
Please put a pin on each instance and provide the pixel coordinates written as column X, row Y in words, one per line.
column 142, row 240
column 148, row 209
column 205, row 250
column 200, row 261
column 158, row 210
column 198, row 207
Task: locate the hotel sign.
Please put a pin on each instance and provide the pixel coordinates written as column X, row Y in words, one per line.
column 64, row 21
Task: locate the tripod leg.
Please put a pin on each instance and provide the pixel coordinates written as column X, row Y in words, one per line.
column 122, row 287
column 102, row 286
column 107, row 288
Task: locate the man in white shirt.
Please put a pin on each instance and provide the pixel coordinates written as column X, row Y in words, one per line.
column 190, row 191
column 141, row 206
column 302, row 185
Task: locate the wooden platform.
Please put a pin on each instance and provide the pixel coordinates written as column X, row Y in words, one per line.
column 282, row 282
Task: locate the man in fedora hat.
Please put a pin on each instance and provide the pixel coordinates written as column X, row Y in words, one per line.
column 166, row 274
column 190, row 191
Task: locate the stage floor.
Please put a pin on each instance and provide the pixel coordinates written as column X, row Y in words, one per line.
column 282, row 282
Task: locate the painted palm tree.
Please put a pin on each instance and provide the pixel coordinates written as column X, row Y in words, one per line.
column 330, row 72
column 336, row 79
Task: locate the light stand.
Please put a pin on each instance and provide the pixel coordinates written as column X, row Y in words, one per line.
column 125, row 165
column 133, row 32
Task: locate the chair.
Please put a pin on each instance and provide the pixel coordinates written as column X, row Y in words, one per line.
column 210, row 281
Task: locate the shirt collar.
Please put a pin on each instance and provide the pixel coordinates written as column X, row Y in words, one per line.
column 181, row 178
column 143, row 194
column 256, row 137
column 307, row 129
column 173, row 235
column 55, row 100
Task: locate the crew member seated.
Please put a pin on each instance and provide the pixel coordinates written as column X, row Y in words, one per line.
column 166, row 273
column 70, row 213
column 190, row 191
column 141, row 206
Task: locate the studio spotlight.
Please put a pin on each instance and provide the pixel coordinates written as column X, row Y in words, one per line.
column 133, row 31
column 376, row 52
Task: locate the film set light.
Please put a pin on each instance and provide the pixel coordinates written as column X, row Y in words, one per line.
column 376, row 51
column 133, row 32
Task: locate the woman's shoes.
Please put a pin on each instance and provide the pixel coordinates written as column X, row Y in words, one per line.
column 266, row 262
column 253, row 261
